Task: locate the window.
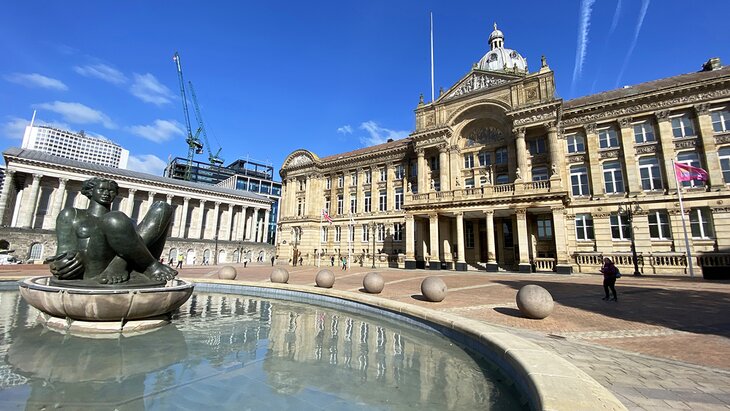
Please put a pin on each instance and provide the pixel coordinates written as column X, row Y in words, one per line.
column 324, row 234
column 544, row 228
column 682, row 126
column 381, row 233
column 720, row 120
column 383, row 174
column 365, row 233
column 644, row 132
column 300, row 207
column 620, row 228
column 368, row 202
column 583, row 227
column 468, row 234
column 502, row 179
column 398, row 198
column 500, row 156
column 434, row 163
column 537, row 146
column 469, row 160
column 353, row 205
column 579, row 180
column 400, row 172
column 338, row 234
column 36, row 251
column 724, row 154
column 368, row 176
column 469, row 182
column 382, row 200
column 414, row 169
column 484, row 159
column 351, row 233
column 340, row 205
column 690, row 158
column 340, row 180
column 398, row 232
column 607, row 138
column 327, row 204
column 701, row 223
column 353, row 177
column 576, row 143
column 659, row 225
column 612, row 177
column 651, row 177
column 539, row 174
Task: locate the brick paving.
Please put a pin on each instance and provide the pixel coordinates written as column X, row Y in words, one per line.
column 664, row 345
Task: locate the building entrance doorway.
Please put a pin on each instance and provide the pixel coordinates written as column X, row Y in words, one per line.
column 506, row 249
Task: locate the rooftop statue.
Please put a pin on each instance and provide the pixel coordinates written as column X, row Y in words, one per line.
column 98, row 247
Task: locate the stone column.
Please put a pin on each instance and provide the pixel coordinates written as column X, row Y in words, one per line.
column 389, row 186
column 57, row 202
column 422, row 184
column 216, row 218
column 410, row 262
column 666, row 139
column 491, row 249
column 252, row 226
column 560, row 237
column 460, row 260
column 434, row 248
column 129, row 204
column 360, row 191
column 444, row 168
column 521, row 153
column 594, row 168
column 146, row 207
column 632, row 182
column 523, row 238
column 201, row 218
column 5, row 193
column 29, row 206
column 240, row 232
column 183, row 217
column 557, row 157
column 267, row 216
column 712, row 162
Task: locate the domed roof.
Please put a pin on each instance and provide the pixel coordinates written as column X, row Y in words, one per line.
column 500, row 58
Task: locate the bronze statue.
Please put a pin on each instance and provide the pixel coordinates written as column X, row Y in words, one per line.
column 99, row 247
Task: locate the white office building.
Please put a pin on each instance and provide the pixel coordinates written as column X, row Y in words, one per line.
column 76, row 146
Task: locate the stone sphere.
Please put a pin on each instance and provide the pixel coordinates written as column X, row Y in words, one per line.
column 325, row 279
column 279, row 275
column 227, row 273
column 434, row 289
column 373, row 283
column 535, row 301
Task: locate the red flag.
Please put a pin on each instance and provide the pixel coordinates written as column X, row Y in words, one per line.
column 686, row 172
column 326, row 216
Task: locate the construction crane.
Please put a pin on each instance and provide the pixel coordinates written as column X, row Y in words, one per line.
column 214, row 159
column 194, row 144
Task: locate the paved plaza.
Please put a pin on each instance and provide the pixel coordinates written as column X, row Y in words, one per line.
column 664, row 345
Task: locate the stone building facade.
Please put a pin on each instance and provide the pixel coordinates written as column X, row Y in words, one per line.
column 209, row 221
column 500, row 173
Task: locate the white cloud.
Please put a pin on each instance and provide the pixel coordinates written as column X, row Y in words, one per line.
column 146, row 163
column 77, row 113
column 379, row 135
column 346, row 129
column 147, row 88
column 36, row 80
column 14, row 128
column 586, row 8
column 639, row 23
column 160, row 131
column 102, row 72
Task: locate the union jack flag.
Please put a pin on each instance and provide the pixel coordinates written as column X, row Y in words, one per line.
column 326, row 216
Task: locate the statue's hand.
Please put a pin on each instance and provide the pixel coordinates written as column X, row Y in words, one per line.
column 67, row 266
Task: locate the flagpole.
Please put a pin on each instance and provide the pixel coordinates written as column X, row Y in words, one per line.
column 319, row 257
column 350, row 233
column 684, row 223
column 432, row 89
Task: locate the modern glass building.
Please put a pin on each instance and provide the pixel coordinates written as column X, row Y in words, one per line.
column 76, row 146
column 245, row 175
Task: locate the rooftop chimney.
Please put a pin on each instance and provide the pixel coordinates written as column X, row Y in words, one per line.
column 712, row 64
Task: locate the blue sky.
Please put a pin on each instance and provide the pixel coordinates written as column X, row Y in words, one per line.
column 326, row 76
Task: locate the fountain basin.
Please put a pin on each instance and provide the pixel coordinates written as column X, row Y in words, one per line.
column 97, row 305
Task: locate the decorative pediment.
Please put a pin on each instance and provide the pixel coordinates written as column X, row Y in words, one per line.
column 298, row 159
column 475, row 82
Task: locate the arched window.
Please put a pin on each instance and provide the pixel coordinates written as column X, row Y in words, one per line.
column 206, row 256
column 235, row 257
column 173, row 256
column 222, row 257
column 36, row 251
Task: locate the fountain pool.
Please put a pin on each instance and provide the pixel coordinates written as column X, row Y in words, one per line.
column 239, row 352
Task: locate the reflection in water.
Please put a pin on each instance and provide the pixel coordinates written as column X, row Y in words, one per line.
column 238, row 352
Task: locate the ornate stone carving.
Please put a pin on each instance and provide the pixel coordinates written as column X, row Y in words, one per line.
column 590, row 128
column 476, row 82
column 609, row 153
column 531, row 93
column 633, row 108
column 688, row 143
column 519, row 132
column 646, row 149
column 722, row 139
column 536, row 118
column 624, row 122
column 702, row 108
column 662, row 115
column 299, row 160
column 484, row 136
column 577, row 158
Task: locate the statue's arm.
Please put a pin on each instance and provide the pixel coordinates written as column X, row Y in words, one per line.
column 66, row 231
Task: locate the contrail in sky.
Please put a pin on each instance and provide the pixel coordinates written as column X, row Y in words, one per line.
column 642, row 14
column 616, row 15
column 614, row 24
column 586, row 7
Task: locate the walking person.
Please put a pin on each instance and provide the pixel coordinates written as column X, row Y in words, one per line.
column 179, row 260
column 610, row 274
column 332, row 261
column 272, row 260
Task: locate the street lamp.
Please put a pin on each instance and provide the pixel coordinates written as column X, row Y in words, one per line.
column 295, row 232
column 373, row 226
column 628, row 212
column 215, row 257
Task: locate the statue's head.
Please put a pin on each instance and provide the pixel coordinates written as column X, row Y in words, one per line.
column 101, row 190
